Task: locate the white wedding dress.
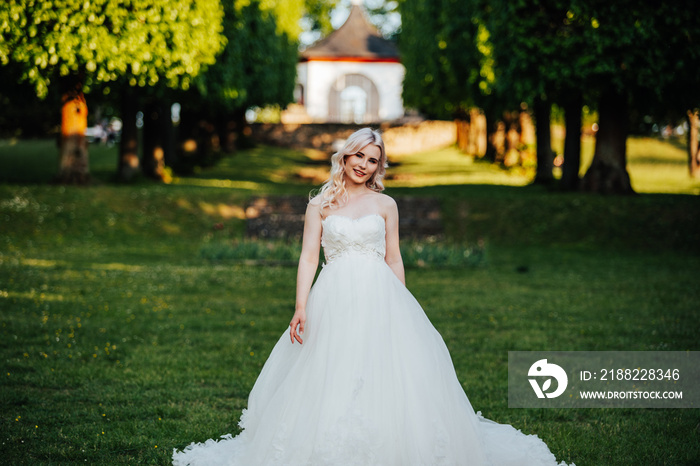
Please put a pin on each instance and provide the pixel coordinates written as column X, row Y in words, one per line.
column 373, row 383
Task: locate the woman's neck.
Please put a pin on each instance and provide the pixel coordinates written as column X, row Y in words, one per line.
column 355, row 190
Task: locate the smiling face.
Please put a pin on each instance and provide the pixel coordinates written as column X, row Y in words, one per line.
column 360, row 167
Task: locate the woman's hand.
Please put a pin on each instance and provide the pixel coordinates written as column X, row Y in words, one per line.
column 299, row 320
column 308, row 263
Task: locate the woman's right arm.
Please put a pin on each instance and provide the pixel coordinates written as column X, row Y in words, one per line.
column 308, row 263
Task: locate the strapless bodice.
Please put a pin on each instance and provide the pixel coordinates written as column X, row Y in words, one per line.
column 345, row 235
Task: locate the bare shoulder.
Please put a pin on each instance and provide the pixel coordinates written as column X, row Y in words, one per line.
column 386, row 201
column 314, row 206
column 387, row 205
column 315, row 201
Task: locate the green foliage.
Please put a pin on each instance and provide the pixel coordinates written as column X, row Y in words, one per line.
column 381, row 13
column 539, row 48
column 101, row 41
column 629, row 42
column 318, row 13
column 24, row 115
column 258, row 65
column 677, row 91
column 439, row 50
column 554, row 47
column 457, row 53
column 287, row 14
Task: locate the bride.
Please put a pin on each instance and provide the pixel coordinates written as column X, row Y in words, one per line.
column 362, row 377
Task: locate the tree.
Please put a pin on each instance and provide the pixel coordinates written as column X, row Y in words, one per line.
column 23, row 115
column 489, row 54
column 643, row 55
column 439, row 50
column 266, row 36
column 76, row 45
column 694, row 143
column 448, row 54
column 680, row 97
column 622, row 55
column 538, row 50
column 317, row 15
column 257, row 68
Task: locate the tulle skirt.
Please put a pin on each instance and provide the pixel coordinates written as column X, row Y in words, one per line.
column 373, row 384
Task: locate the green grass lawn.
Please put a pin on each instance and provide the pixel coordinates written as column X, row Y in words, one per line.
column 120, row 342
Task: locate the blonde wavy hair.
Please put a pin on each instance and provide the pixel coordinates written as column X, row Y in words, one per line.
column 333, row 191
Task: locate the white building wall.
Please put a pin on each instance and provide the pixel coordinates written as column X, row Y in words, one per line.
column 317, row 77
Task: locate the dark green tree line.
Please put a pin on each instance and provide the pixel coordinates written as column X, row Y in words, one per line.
column 438, row 44
column 217, row 58
column 537, row 48
column 74, row 46
column 257, row 68
column 621, row 57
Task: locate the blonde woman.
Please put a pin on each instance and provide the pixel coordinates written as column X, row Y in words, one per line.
column 362, row 377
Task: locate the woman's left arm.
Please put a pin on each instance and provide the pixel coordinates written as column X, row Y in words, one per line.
column 393, row 251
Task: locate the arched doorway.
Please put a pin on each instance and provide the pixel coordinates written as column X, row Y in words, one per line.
column 353, row 98
column 299, row 96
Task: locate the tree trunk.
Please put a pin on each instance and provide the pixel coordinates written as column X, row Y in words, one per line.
column 74, row 165
column 491, row 124
column 572, row 142
column 463, row 127
column 545, row 157
column 128, row 165
column 512, row 138
column 527, row 128
column 243, row 130
column 608, row 171
column 198, row 140
column 498, row 140
column 693, row 143
column 477, row 133
column 527, row 137
column 188, row 143
column 156, row 132
column 471, row 132
column 227, row 133
column 209, row 145
column 168, row 130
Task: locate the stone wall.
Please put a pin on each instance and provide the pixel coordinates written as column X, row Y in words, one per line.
column 399, row 138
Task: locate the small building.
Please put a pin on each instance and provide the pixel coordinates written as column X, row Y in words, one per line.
column 353, row 75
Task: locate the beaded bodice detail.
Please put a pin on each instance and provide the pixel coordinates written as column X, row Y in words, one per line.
column 345, row 235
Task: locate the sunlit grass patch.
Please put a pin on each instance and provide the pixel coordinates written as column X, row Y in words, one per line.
column 450, row 166
column 654, row 165
column 659, row 166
